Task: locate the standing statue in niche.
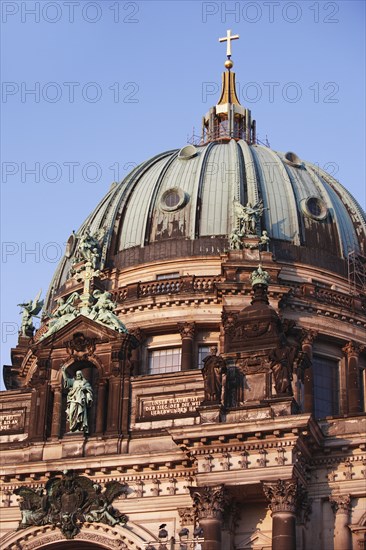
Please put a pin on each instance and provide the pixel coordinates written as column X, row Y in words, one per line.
column 30, row 309
column 281, row 362
column 214, row 373
column 79, row 400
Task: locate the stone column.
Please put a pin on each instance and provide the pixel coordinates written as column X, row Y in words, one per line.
column 101, row 407
column 342, row 535
column 307, row 340
column 56, row 413
column 209, row 504
column 187, row 331
column 282, row 496
column 352, row 352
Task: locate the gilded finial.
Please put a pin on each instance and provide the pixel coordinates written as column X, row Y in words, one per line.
column 228, row 38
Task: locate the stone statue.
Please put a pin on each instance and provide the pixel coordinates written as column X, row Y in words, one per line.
column 33, row 506
column 235, row 240
column 66, row 311
column 248, row 216
column 89, row 247
column 214, row 373
column 30, row 309
column 103, row 311
column 79, row 400
column 281, row 363
column 264, row 241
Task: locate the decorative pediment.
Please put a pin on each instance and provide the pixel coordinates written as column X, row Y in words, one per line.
column 256, row 541
column 89, row 328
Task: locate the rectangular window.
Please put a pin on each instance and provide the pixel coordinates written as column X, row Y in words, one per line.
column 203, row 351
column 326, row 386
column 164, row 360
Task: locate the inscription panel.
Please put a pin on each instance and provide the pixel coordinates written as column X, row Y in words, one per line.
column 168, row 406
column 255, row 389
column 12, row 421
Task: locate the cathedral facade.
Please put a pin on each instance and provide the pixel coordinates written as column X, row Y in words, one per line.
column 198, row 380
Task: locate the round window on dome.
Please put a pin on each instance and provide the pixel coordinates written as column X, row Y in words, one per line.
column 315, row 208
column 187, row 152
column 173, row 199
column 293, row 160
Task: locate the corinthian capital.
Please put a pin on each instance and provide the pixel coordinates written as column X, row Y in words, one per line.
column 209, row 502
column 352, row 349
column 187, row 330
column 282, row 495
column 340, row 503
column 308, row 336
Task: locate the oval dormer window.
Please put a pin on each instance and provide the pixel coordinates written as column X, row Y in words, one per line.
column 187, row 152
column 173, row 199
column 315, row 208
column 293, row 160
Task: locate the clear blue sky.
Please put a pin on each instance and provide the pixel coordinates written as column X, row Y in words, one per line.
column 116, row 82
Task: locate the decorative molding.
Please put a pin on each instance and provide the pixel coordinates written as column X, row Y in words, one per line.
column 187, row 516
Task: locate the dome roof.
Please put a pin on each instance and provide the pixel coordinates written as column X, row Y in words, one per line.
column 188, row 195
column 187, row 202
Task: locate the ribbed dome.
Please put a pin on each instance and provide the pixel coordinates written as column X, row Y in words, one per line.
column 181, row 203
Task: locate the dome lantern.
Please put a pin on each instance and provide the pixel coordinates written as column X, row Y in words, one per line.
column 228, row 119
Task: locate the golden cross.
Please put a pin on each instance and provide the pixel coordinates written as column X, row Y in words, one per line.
column 228, row 38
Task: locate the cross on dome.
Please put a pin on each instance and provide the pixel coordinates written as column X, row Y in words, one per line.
column 228, row 38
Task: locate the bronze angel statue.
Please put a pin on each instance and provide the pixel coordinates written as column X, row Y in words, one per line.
column 101, row 509
column 248, row 216
column 30, row 309
column 89, row 247
column 34, row 506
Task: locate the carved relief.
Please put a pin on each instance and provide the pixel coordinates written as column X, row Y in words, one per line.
column 262, row 461
column 244, row 462
column 69, row 501
column 187, row 516
column 80, row 347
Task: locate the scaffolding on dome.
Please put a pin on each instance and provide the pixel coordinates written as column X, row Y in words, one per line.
column 356, row 272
